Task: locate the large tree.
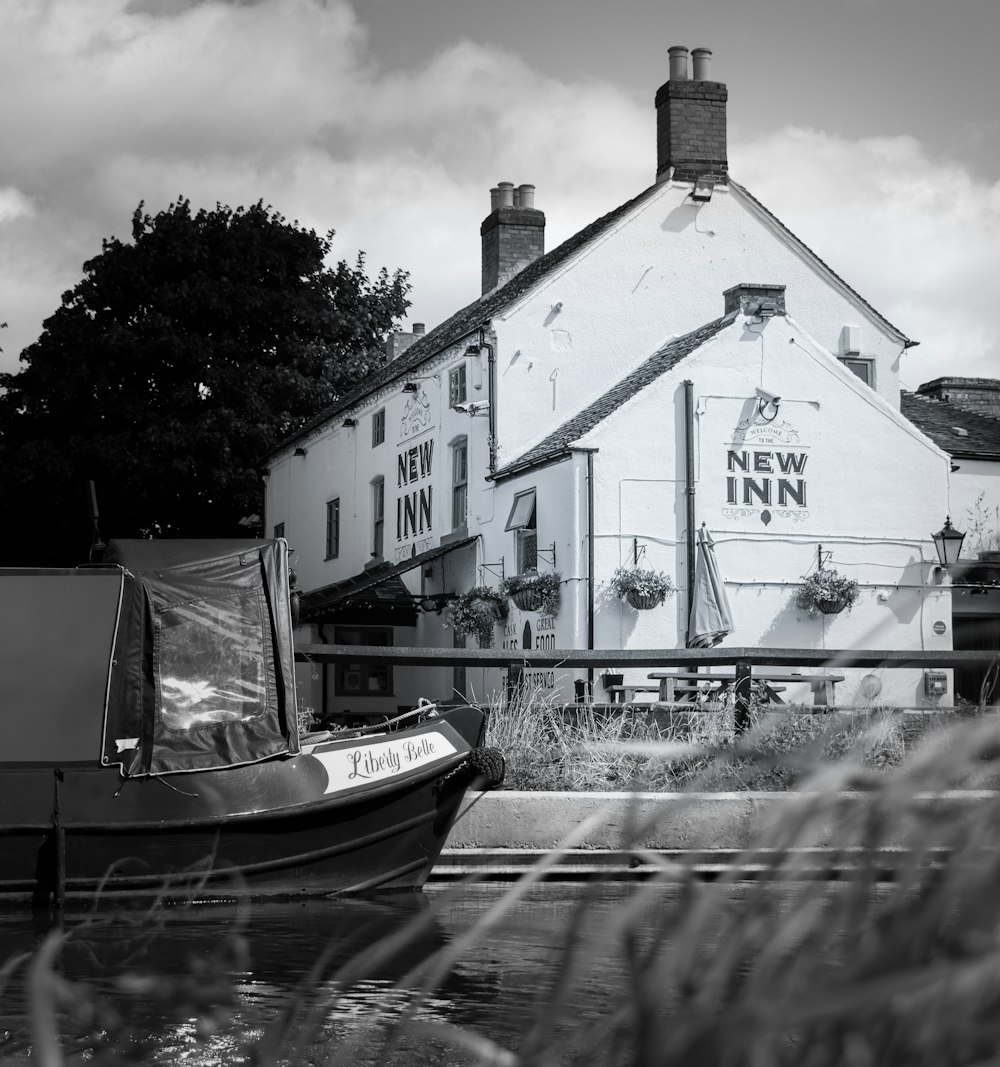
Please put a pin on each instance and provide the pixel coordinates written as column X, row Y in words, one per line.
column 172, row 368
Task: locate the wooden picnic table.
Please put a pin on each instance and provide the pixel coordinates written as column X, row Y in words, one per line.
column 823, row 686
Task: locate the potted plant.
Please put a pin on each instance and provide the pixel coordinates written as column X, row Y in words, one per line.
column 642, row 587
column 477, row 612
column 827, row 592
column 535, row 592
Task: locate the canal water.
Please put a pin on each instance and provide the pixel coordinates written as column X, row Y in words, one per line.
column 334, row 981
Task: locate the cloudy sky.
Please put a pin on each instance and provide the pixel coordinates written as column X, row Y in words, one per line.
column 870, row 127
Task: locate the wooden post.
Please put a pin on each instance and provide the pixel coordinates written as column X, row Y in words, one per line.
column 741, row 688
column 59, row 843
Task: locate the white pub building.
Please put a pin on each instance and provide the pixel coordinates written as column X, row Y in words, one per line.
column 683, row 361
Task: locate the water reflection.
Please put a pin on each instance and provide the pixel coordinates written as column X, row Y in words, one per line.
column 305, row 982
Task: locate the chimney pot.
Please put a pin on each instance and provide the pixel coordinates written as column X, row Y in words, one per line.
column 419, row 328
column 678, row 62
column 700, row 59
column 494, row 198
column 506, row 191
column 526, row 195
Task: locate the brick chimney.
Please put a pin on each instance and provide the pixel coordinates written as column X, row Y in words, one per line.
column 513, row 233
column 979, row 395
column 399, row 341
column 691, row 120
column 755, row 298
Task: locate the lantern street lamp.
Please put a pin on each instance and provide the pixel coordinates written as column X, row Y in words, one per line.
column 948, row 542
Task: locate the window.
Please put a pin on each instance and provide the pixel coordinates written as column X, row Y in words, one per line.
column 362, row 679
column 522, row 521
column 279, row 530
column 863, row 368
column 456, row 386
column 378, row 427
column 378, row 516
column 459, row 482
column 333, row 528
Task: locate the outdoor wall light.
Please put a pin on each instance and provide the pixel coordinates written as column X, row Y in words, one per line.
column 411, row 387
column 767, row 405
column 350, row 422
column 948, row 542
column 300, row 451
column 704, row 187
column 472, row 350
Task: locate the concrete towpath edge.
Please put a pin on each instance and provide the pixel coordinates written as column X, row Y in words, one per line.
column 515, row 819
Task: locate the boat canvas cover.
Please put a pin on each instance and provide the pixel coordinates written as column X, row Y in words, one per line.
column 203, row 672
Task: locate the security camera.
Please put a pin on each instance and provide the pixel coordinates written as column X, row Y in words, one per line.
column 767, row 405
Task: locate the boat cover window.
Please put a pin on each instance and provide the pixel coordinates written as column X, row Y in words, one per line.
column 203, row 675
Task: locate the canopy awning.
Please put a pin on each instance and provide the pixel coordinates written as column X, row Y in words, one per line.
column 364, row 587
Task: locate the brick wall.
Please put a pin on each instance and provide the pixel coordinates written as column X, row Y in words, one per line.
column 981, row 395
column 512, row 238
column 691, row 129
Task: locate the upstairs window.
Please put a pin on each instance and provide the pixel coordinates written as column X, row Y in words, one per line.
column 378, row 517
column 459, row 483
column 522, row 521
column 456, row 386
column 378, row 427
column 333, row 528
column 863, row 368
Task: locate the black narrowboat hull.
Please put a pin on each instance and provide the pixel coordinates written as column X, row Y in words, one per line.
column 343, row 816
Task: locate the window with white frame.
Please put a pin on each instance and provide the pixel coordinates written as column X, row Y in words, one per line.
column 459, row 483
column 378, row 427
column 333, row 528
column 863, row 368
column 378, row 517
column 456, row 386
column 522, row 521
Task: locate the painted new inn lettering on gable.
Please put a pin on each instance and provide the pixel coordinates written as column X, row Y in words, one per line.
column 567, row 379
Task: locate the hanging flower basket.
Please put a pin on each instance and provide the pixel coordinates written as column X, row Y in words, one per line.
column 477, row 612
column 642, row 587
column 827, row 592
column 535, row 592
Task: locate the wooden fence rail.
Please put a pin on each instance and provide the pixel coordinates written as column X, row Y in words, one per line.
column 744, row 660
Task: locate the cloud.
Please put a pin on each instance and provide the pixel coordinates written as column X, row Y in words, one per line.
column 918, row 237
column 110, row 102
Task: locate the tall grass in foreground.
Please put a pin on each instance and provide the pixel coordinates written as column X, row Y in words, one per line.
column 551, row 746
column 905, row 974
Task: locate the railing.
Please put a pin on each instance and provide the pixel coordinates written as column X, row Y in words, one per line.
column 744, row 659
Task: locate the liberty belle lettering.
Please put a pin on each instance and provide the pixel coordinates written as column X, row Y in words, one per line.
column 369, row 763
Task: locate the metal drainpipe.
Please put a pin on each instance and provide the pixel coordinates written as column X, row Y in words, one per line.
column 590, row 566
column 491, row 377
column 689, row 493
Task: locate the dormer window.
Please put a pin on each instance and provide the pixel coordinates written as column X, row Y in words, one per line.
column 863, row 368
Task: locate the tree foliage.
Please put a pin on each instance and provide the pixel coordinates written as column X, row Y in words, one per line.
column 172, row 369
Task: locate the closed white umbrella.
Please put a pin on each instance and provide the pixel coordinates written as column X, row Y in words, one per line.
column 711, row 619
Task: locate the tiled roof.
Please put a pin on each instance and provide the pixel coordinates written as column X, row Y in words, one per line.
column 463, row 322
column 574, row 428
column 959, row 432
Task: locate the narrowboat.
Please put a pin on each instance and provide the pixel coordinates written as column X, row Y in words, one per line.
column 151, row 742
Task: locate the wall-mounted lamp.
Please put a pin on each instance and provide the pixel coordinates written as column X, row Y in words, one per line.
column 948, row 542
column 300, row 451
column 350, row 422
column 704, row 187
column 411, row 387
column 473, row 350
column 767, row 405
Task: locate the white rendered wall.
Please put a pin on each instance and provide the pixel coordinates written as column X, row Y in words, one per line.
column 660, row 272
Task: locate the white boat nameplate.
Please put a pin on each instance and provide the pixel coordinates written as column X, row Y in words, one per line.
column 350, row 766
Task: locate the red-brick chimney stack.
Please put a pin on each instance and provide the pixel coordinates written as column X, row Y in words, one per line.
column 691, row 120
column 513, row 233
